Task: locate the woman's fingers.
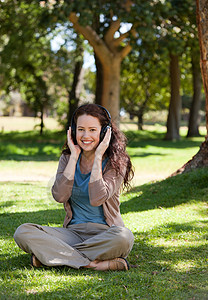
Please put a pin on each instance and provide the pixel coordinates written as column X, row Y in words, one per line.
column 69, row 138
column 108, row 135
column 103, row 146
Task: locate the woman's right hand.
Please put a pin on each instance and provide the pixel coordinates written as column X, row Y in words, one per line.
column 75, row 149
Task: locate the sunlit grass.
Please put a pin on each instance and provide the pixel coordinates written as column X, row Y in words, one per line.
column 169, row 222
column 168, row 219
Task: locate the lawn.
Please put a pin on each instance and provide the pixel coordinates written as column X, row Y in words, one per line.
column 168, row 218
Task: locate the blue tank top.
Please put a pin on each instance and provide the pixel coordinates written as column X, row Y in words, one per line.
column 82, row 210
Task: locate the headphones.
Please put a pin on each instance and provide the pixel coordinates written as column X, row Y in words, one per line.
column 103, row 129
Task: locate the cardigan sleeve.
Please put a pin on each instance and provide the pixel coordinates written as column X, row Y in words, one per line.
column 103, row 189
column 62, row 187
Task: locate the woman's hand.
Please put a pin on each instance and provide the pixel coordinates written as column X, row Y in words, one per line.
column 103, row 146
column 96, row 173
column 75, row 149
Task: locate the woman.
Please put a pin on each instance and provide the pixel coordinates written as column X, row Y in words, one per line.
column 92, row 168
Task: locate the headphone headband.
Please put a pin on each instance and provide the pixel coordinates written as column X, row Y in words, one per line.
column 107, row 112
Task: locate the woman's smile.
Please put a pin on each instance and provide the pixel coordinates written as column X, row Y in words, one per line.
column 87, row 142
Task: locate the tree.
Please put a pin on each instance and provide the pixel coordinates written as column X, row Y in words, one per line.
column 143, row 85
column 192, row 48
column 174, row 29
column 25, row 53
column 36, row 94
column 110, row 55
column 65, row 75
column 28, row 63
column 201, row 158
column 109, row 43
column 193, row 126
column 202, row 22
column 174, row 114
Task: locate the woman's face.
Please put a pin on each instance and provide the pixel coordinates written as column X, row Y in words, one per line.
column 88, row 132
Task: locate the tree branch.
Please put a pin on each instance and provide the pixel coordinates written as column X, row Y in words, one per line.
column 109, row 36
column 127, row 5
column 125, row 51
column 118, row 40
column 89, row 34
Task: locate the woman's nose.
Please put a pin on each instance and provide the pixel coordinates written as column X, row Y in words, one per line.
column 85, row 133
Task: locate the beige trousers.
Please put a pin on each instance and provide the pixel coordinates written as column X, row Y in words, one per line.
column 76, row 245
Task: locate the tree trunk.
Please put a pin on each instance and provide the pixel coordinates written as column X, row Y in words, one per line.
column 201, row 158
column 111, row 87
column 99, row 67
column 174, row 115
column 142, row 108
column 99, row 80
column 202, row 22
column 41, row 121
column 110, row 52
column 194, row 118
column 140, row 122
column 73, row 99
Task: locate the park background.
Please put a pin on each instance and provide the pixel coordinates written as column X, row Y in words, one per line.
column 143, row 65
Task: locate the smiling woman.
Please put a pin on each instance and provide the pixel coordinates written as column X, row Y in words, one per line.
column 92, row 168
column 88, row 132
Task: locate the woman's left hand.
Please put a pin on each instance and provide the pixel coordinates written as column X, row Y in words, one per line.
column 103, row 146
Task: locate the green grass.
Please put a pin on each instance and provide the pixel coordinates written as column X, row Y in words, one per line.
column 169, row 219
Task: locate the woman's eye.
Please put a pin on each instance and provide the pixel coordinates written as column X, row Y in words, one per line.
column 92, row 129
column 80, row 129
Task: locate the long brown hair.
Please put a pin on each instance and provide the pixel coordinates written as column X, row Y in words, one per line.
column 116, row 152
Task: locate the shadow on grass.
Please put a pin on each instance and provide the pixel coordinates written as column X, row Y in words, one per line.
column 8, row 204
column 145, row 138
column 168, row 193
column 22, row 152
column 146, row 154
column 162, row 272
column 30, row 146
column 10, row 221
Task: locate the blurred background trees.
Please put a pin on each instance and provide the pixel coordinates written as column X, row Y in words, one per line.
column 146, row 59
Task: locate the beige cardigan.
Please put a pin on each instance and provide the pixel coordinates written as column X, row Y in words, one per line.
column 103, row 192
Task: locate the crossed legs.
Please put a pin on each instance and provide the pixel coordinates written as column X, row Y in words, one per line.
column 88, row 245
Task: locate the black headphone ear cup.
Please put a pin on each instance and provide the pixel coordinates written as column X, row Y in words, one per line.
column 73, row 133
column 103, row 132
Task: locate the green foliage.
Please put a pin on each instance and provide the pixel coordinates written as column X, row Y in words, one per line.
column 145, row 72
column 178, row 25
column 143, row 85
column 44, row 77
column 28, row 63
column 26, row 53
